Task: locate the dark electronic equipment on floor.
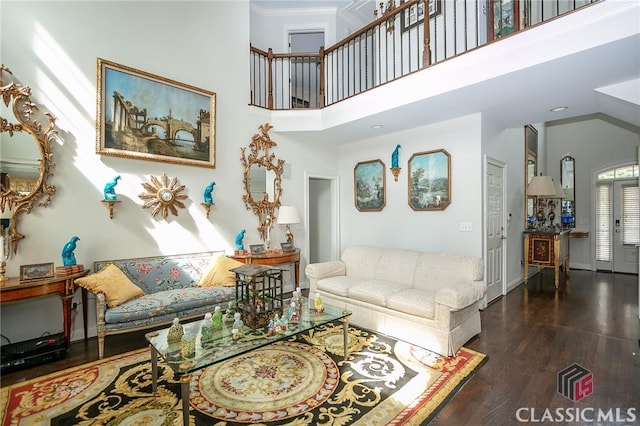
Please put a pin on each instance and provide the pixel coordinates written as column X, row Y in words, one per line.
column 33, row 352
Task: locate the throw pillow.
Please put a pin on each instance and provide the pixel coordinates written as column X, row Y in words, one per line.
column 113, row 283
column 218, row 273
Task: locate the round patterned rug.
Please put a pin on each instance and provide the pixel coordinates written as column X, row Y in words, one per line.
column 283, row 380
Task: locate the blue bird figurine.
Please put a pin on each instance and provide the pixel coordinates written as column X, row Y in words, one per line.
column 208, row 198
column 239, row 240
column 394, row 156
column 68, row 258
column 110, row 189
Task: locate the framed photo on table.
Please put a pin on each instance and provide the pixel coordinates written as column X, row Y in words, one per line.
column 148, row 117
column 37, row 271
column 257, row 249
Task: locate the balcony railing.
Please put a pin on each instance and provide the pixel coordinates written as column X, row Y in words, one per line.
column 402, row 40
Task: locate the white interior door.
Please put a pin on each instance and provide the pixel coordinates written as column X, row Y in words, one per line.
column 495, row 229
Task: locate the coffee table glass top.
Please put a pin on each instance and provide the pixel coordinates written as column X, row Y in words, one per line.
column 223, row 345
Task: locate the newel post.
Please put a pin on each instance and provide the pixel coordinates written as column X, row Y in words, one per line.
column 426, row 49
column 270, row 78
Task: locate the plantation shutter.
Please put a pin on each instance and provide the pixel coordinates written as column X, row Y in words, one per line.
column 603, row 222
column 630, row 215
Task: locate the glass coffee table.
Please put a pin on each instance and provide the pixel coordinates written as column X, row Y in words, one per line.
column 225, row 344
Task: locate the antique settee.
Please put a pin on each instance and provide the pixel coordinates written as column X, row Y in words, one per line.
column 141, row 293
column 429, row 299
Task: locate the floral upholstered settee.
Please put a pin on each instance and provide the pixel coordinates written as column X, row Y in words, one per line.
column 141, row 293
column 429, row 299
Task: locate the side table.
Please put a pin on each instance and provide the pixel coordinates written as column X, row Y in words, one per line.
column 546, row 249
column 13, row 290
column 277, row 258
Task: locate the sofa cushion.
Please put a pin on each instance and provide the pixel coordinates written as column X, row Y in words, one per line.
column 218, row 273
column 413, row 301
column 437, row 270
column 338, row 285
column 397, row 265
column 361, row 262
column 113, row 283
column 167, row 304
column 375, row 291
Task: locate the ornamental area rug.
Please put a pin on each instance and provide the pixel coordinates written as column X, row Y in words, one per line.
column 301, row 381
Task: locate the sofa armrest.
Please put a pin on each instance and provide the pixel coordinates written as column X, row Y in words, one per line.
column 317, row 271
column 459, row 296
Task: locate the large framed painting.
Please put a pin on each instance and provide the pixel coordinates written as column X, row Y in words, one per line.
column 369, row 186
column 148, row 117
column 430, row 180
column 414, row 14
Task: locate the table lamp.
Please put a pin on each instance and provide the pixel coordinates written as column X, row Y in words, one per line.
column 288, row 215
column 541, row 187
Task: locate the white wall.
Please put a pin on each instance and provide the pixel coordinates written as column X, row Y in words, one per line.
column 53, row 47
column 397, row 225
column 596, row 142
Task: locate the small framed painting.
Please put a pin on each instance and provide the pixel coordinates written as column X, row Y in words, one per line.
column 148, row 117
column 257, row 249
column 369, row 186
column 414, row 14
column 430, row 180
column 37, row 271
column 287, row 246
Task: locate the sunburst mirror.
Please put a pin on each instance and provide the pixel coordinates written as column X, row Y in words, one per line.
column 163, row 195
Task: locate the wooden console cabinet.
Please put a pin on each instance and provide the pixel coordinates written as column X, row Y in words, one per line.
column 279, row 258
column 546, row 249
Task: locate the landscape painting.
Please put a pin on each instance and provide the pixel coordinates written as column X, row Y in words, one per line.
column 369, row 186
column 429, row 180
column 144, row 116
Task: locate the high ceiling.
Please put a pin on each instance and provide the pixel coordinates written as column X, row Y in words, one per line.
column 603, row 79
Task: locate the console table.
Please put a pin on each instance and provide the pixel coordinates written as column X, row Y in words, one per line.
column 13, row 290
column 274, row 258
column 546, row 249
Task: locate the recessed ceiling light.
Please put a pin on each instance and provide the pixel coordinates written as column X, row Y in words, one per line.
column 558, row 108
column 377, row 126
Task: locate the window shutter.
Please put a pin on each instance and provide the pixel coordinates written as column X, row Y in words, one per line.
column 603, row 222
column 630, row 215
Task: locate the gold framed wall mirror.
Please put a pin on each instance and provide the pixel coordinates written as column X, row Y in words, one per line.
column 262, row 180
column 530, row 170
column 568, row 182
column 26, row 136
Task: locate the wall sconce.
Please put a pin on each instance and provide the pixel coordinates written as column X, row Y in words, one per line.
column 288, row 215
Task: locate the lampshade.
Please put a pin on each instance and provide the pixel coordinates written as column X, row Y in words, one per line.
column 288, row 215
column 541, row 186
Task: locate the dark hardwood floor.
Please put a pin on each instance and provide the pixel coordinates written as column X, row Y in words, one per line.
column 529, row 335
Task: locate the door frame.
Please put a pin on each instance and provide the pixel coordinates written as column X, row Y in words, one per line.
column 335, row 210
column 503, row 166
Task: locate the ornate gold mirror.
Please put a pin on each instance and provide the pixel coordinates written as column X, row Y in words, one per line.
column 530, row 170
column 26, row 135
column 568, row 182
column 262, row 173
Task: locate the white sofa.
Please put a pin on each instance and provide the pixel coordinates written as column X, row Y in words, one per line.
column 429, row 299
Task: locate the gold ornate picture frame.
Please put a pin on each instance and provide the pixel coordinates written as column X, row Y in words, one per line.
column 369, row 186
column 430, row 180
column 148, row 117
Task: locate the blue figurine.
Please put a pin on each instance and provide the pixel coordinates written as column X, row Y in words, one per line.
column 394, row 157
column 239, row 240
column 208, row 198
column 68, row 258
column 110, row 189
